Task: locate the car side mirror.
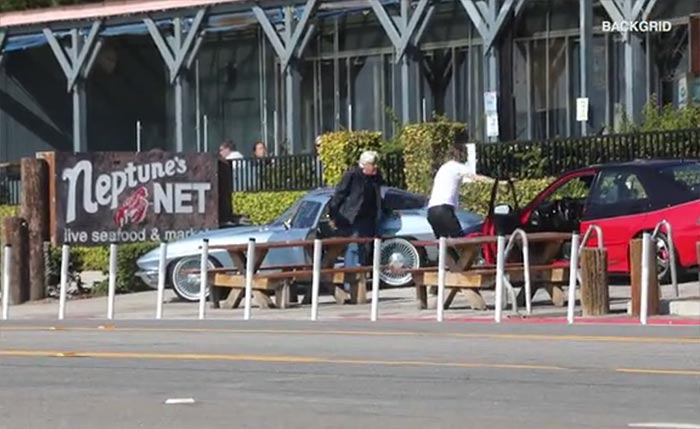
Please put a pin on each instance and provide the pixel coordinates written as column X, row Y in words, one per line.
column 503, row 209
column 288, row 224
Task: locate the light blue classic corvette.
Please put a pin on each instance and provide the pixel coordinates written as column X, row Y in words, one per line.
column 404, row 219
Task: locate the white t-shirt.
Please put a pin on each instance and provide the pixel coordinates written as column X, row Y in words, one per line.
column 234, row 155
column 446, row 184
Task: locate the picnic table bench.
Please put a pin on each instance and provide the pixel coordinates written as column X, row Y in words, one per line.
column 463, row 276
column 280, row 280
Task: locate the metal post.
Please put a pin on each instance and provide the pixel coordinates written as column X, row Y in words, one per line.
column 573, row 276
column 203, row 278
column 644, row 304
column 442, row 273
column 250, row 267
column 198, row 113
column 65, row 259
column 290, row 107
column 79, row 118
column 316, row 279
column 376, row 266
column 112, row 280
column 586, row 52
column 162, row 264
column 206, row 133
column 138, row 136
column 405, row 91
column 7, row 261
column 500, row 273
column 179, row 116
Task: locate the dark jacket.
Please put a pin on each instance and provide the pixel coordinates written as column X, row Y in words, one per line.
column 349, row 196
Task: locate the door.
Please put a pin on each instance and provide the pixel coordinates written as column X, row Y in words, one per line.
column 560, row 207
column 618, row 205
column 301, row 226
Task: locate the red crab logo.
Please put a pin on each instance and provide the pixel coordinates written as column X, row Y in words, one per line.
column 133, row 209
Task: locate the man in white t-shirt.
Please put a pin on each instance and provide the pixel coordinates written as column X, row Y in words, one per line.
column 228, row 151
column 444, row 198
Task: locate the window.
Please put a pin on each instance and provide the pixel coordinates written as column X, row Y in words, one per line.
column 287, row 214
column 619, row 187
column 305, row 217
column 685, row 176
column 403, row 201
column 576, row 188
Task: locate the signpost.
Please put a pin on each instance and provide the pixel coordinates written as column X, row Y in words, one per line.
column 123, row 197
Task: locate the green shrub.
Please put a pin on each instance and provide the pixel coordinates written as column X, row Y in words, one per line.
column 340, row 150
column 127, row 255
column 264, row 207
column 425, row 148
column 666, row 118
column 97, row 259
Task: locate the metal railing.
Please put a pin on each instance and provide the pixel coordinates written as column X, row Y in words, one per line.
column 525, row 249
column 671, row 250
column 541, row 158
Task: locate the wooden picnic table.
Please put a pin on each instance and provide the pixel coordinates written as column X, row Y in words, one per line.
column 462, row 276
column 280, row 283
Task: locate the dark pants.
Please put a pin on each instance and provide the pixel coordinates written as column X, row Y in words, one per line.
column 444, row 221
column 356, row 254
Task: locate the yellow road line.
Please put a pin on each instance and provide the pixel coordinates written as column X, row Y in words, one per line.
column 660, row 371
column 268, row 359
column 521, row 337
column 323, row 360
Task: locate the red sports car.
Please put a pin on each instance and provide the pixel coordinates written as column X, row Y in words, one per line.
column 624, row 200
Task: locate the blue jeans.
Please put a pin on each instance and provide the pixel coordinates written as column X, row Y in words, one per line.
column 356, row 254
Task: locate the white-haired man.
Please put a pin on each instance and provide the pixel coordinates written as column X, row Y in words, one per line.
column 356, row 206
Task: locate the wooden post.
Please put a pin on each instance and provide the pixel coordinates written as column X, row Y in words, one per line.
column 595, row 297
column 15, row 234
column 35, row 210
column 636, row 278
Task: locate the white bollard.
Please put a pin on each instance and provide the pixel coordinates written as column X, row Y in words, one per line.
column 528, row 280
column 316, row 279
column 573, row 276
column 6, row 282
column 112, row 280
column 376, row 265
column 644, row 304
column 161, row 279
column 203, row 278
column 500, row 273
column 65, row 260
column 442, row 273
column 250, row 266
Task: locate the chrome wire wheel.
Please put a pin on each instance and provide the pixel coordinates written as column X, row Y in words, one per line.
column 663, row 258
column 186, row 284
column 399, row 254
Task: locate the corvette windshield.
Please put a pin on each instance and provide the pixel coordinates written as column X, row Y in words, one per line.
column 286, row 215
